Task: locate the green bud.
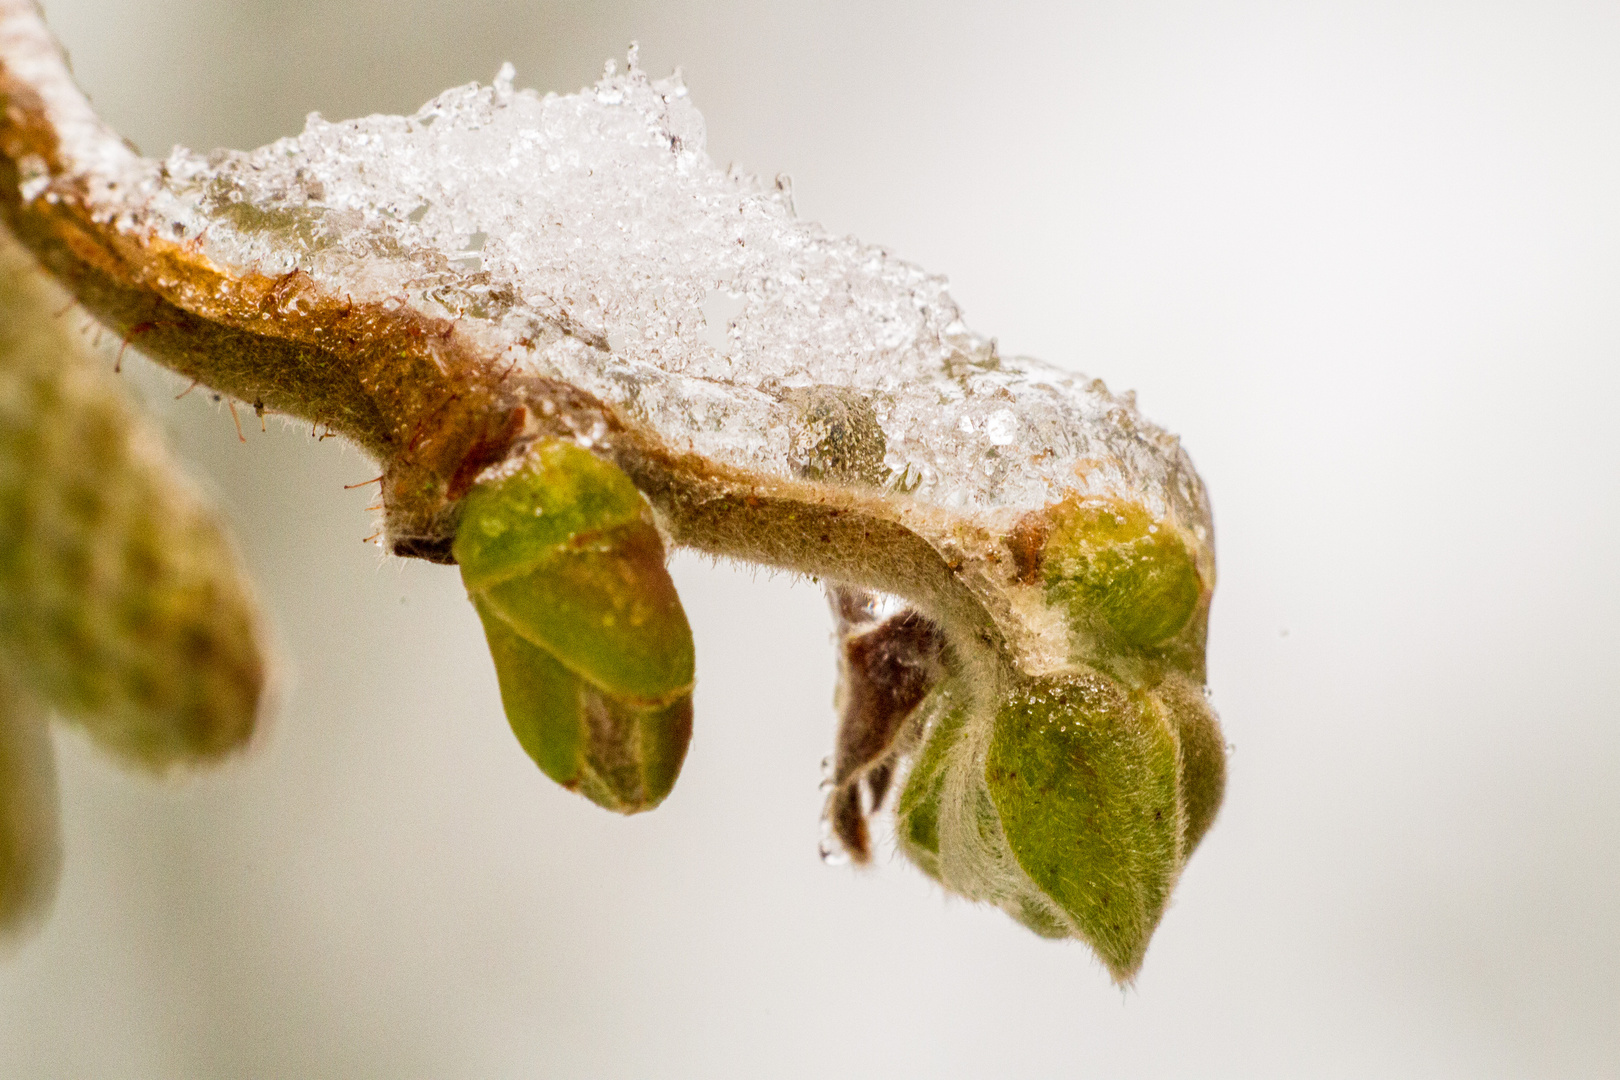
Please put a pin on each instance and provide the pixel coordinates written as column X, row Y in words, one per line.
column 591, row 646
column 1087, row 786
column 30, row 838
column 1203, row 754
column 122, row 601
column 616, row 754
column 1113, row 561
column 917, row 812
column 1069, row 802
column 560, row 498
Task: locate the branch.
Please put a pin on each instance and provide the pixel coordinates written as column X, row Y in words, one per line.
column 502, row 270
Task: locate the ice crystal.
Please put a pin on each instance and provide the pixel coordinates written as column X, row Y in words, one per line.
column 590, row 237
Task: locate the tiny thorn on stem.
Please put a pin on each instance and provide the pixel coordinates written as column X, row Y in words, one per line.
column 194, row 384
column 133, row 332
column 230, row 403
column 363, row 483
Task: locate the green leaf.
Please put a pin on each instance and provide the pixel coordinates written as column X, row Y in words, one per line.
column 541, row 698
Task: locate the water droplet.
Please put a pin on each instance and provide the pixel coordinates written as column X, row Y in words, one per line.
column 831, row 852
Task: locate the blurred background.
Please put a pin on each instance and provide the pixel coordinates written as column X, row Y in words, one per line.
column 1363, row 257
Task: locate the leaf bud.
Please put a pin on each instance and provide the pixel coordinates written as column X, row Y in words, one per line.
column 1069, row 801
column 1111, row 561
column 30, row 836
column 591, row 646
column 123, row 603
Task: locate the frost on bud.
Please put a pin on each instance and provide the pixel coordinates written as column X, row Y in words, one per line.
column 30, row 838
column 122, row 602
column 1071, row 803
column 591, row 646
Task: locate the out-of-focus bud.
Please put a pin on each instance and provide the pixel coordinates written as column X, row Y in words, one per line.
column 1069, row 801
column 30, row 839
column 591, row 646
column 122, row 602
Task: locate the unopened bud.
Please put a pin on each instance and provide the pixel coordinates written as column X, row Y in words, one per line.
column 591, row 646
column 122, row 602
column 1203, row 754
column 1112, row 561
column 1087, row 786
column 917, row 814
column 1070, row 802
column 30, row 838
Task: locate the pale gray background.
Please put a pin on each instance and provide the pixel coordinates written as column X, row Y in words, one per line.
column 1363, row 257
